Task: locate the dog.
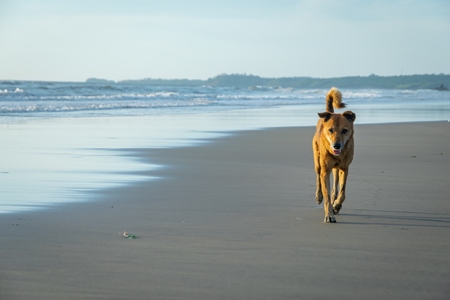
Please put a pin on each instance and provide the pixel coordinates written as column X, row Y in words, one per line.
column 333, row 148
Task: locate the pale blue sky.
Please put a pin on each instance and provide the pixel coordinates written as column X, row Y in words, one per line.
column 196, row 39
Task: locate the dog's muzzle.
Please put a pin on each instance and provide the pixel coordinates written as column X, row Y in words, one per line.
column 337, row 148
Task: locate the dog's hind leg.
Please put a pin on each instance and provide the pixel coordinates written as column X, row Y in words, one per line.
column 319, row 195
column 337, row 205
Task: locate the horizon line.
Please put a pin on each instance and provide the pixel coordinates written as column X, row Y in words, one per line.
column 225, row 74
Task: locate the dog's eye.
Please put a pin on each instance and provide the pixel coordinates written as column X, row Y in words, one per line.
column 331, row 130
column 344, row 131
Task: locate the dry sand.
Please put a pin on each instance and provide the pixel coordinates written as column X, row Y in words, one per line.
column 236, row 219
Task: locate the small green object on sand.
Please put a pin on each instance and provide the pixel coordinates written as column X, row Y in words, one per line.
column 129, row 236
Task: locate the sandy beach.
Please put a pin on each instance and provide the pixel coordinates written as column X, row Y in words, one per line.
column 236, row 219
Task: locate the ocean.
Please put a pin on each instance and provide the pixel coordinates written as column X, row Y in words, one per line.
column 23, row 100
column 60, row 141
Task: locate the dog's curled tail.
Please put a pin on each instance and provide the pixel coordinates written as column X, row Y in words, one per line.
column 334, row 100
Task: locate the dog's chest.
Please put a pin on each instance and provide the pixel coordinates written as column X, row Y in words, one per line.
column 336, row 161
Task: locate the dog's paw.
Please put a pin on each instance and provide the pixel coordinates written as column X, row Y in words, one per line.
column 329, row 219
column 319, row 199
column 337, row 208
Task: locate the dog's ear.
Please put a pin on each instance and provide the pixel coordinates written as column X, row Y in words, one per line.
column 325, row 115
column 349, row 115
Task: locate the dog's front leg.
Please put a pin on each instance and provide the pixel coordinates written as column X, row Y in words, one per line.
column 337, row 205
column 335, row 191
column 325, row 181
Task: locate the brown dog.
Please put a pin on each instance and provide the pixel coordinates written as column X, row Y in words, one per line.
column 333, row 152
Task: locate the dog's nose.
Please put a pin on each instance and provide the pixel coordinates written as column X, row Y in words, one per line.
column 337, row 145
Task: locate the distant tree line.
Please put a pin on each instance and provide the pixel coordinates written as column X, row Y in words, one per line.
column 427, row 81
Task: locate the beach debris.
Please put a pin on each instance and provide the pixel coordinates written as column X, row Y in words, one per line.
column 129, row 236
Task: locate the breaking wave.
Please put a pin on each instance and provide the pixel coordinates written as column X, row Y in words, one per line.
column 59, row 99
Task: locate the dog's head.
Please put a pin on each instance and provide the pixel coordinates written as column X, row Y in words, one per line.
column 338, row 129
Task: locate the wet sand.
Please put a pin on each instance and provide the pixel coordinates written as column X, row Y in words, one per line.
column 236, row 219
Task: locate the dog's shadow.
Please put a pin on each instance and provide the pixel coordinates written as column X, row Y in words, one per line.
column 394, row 218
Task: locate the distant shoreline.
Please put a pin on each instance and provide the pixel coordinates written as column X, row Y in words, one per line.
column 439, row 82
